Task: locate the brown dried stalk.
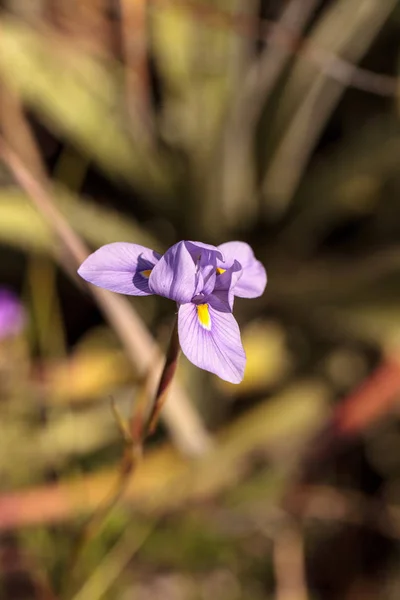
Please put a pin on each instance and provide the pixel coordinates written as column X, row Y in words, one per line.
column 134, row 437
column 180, row 416
column 121, row 316
column 137, row 79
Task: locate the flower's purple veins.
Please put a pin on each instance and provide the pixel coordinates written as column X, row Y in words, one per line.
column 207, row 251
column 176, row 275
column 227, row 280
column 210, row 339
column 186, row 269
column 254, row 277
column 12, row 314
column 206, row 257
column 121, row 267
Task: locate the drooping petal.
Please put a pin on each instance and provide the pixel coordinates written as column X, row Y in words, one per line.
column 120, row 267
column 210, row 339
column 254, row 277
column 176, row 276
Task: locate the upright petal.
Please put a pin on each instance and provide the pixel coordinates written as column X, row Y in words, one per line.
column 228, row 278
column 224, row 288
column 120, row 267
column 210, row 339
column 175, row 276
column 254, row 277
column 205, row 257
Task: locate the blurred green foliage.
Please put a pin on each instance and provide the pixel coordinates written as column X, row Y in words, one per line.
column 160, row 121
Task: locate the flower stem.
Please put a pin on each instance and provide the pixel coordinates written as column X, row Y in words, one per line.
column 171, row 362
column 134, row 437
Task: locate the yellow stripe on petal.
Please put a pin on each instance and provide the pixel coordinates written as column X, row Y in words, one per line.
column 220, row 271
column 203, row 315
column 146, row 273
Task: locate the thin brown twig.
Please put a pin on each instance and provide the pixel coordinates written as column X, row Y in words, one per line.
column 171, row 363
column 134, row 437
column 181, row 418
column 39, row 189
column 137, row 79
column 131, row 457
column 259, row 29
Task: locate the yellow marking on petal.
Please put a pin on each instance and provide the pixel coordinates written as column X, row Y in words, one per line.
column 220, row 271
column 146, row 273
column 203, row 315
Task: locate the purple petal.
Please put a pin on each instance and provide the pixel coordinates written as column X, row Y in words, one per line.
column 205, row 256
column 210, row 339
column 254, row 277
column 209, row 252
column 12, row 314
column 176, row 276
column 222, row 300
column 208, row 274
column 228, row 278
column 120, row 267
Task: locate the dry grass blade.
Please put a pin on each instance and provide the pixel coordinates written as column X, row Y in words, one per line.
column 311, row 95
column 23, row 227
column 254, row 28
column 255, row 90
column 78, row 97
column 164, row 480
column 180, row 416
column 134, row 436
column 113, row 564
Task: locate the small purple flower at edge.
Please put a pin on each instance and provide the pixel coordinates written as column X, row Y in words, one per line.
column 202, row 279
column 12, row 314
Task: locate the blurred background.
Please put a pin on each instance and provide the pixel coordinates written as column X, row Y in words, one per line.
column 150, row 121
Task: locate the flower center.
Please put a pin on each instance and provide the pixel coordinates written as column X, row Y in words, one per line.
column 203, row 315
column 146, row 273
column 220, row 271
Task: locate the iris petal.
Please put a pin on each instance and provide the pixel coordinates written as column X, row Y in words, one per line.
column 254, row 277
column 175, row 276
column 205, row 256
column 207, row 251
column 229, row 277
column 119, row 266
column 216, row 348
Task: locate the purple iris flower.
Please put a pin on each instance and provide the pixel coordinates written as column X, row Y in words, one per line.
column 12, row 314
column 202, row 279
